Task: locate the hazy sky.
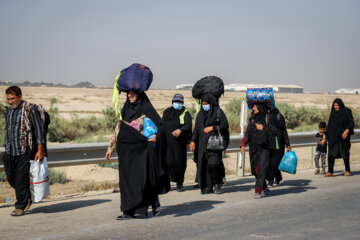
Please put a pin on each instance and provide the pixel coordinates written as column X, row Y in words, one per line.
column 314, row 43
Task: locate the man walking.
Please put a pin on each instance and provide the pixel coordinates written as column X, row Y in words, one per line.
column 24, row 141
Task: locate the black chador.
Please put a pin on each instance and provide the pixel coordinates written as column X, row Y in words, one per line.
column 259, row 141
column 339, row 121
column 277, row 146
column 176, row 159
column 210, row 167
column 141, row 165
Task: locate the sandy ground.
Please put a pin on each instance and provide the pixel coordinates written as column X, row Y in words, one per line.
column 88, row 102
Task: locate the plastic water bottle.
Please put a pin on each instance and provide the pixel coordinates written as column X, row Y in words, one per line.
column 8, row 200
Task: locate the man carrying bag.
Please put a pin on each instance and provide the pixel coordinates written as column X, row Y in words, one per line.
column 24, row 141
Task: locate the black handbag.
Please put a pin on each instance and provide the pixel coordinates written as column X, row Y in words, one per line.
column 216, row 141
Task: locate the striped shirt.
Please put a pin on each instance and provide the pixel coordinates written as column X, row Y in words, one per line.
column 13, row 130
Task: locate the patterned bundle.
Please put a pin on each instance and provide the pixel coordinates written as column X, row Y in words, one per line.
column 260, row 95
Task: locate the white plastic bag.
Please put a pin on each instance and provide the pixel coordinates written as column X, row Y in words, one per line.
column 39, row 180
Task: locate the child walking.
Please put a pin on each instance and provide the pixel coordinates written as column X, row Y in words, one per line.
column 321, row 149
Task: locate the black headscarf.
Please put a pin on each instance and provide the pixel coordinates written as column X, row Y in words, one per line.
column 338, row 121
column 209, row 117
column 260, row 117
column 142, row 106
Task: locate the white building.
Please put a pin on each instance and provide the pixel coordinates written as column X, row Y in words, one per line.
column 184, row 86
column 240, row 87
column 347, row 91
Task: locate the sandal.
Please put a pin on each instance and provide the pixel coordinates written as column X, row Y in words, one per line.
column 17, row 212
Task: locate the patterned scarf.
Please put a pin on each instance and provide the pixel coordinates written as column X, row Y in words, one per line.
column 26, row 136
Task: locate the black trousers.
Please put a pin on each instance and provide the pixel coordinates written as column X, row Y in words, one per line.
column 275, row 159
column 17, row 170
column 331, row 162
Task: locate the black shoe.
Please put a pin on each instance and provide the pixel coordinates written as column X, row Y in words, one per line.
column 179, row 187
column 217, row 188
column 208, row 190
column 125, row 217
column 271, row 183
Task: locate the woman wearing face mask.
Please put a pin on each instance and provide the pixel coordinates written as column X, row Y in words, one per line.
column 339, row 129
column 258, row 135
column 178, row 122
column 141, row 171
column 210, row 169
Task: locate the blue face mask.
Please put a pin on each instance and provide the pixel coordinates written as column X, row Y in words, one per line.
column 177, row 105
column 206, row 107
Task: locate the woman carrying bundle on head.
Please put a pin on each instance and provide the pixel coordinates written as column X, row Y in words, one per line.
column 140, row 152
column 258, row 134
column 210, row 120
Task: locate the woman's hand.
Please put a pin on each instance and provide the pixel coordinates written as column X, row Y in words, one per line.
column 192, row 146
column 259, row 126
column 242, row 149
column 153, row 138
column 108, row 156
column 345, row 134
column 289, row 148
column 208, row 129
column 176, row 133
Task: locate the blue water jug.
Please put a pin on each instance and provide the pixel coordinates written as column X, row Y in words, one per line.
column 288, row 162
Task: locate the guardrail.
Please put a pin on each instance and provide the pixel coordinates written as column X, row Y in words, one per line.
column 89, row 153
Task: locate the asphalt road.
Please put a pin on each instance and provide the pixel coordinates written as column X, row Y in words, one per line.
column 304, row 206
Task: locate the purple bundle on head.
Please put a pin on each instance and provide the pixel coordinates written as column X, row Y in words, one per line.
column 137, row 78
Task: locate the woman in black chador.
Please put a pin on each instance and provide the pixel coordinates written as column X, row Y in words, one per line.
column 210, row 167
column 339, row 129
column 178, row 124
column 141, row 160
column 277, row 151
column 259, row 136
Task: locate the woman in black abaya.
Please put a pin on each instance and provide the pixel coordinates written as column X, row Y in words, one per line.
column 178, row 123
column 339, row 129
column 210, row 168
column 141, row 172
column 258, row 134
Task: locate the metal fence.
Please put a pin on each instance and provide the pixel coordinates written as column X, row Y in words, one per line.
column 88, row 153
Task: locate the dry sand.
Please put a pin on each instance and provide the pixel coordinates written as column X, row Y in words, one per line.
column 88, row 102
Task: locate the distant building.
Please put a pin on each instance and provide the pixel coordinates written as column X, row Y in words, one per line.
column 5, row 82
column 240, row 87
column 347, row 91
column 184, row 86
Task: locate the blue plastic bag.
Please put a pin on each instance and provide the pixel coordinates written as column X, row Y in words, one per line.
column 288, row 162
column 149, row 128
column 137, row 78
